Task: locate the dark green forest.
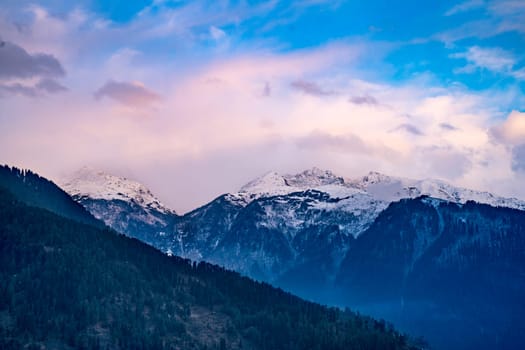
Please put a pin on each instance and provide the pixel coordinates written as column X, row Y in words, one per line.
column 38, row 191
column 70, row 285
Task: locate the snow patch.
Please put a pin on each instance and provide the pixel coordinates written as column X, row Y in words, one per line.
column 96, row 184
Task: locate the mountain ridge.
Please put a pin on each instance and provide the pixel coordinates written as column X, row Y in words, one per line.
column 356, row 243
column 71, row 285
column 97, row 184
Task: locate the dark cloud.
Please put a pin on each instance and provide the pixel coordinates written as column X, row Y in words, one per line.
column 364, row 100
column 267, row 90
column 15, row 62
column 518, row 158
column 322, row 141
column 411, row 129
column 44, row 86
column 311, row 88
column 51, row 86
column 447, row 126
column 128, row 93
column 18, row 89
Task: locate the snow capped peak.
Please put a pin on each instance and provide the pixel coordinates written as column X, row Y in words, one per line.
column 273, row 183
column 267, row 181
column 390, row 188
column 96, row 184
column 270, row 184
column 374, row 186
column 374, row 177
column 314, row 177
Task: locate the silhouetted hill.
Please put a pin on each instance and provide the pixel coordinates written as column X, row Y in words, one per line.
column 37, row 191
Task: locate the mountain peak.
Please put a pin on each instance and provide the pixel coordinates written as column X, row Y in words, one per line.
column 375, row 185
column 314, row 177
column 374, row 177
column 268, row 184
column 97, row 184
column 274, row 184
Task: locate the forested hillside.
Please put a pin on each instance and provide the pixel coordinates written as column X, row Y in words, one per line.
column 39, row 192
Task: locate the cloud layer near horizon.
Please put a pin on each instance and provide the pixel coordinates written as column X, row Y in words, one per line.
column 201, row 114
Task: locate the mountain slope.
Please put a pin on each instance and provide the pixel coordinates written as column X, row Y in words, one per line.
column 437, row 267
column 40, row 192
column 68, row 285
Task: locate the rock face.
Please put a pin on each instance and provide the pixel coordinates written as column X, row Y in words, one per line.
column 395, row 248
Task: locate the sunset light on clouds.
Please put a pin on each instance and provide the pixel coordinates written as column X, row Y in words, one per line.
column 196, row 98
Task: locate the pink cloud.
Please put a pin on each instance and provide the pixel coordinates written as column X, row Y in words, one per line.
column 132, row 94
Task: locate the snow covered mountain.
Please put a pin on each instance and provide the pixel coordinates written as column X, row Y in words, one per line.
column 96, row 184
column 273, row 226
column 123, row 204
column 379, row 186
column 392, row 189
column 268, row 226
column 378, row 239
column 365, row 197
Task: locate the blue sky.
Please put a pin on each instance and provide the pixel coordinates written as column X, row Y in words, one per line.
column 238, row 88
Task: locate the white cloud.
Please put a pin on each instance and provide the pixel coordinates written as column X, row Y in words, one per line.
column 499, row 16
column 465, row 6
column 512, row 130
column 490, row 58
column 217, row 33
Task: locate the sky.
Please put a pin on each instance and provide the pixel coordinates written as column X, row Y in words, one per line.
column 196, row 98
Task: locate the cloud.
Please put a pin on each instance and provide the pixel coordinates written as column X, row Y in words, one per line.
column 518, row 158
column 217, row 33
column 465, row 6
column 132, row 94
column 311, row 88
column 364, row 100
column 42, row 87
column 19, row 69
column 348, row 144
column 511, row 133
column 447, row 127
column 411, row 129
column 445, row 162
column 512, row 130
column 500, row 16
column 267, row 90
column 508, row 7
column 15, row 62
column 18, row 89
column 493, row 59
column 50, row 85
column 319, row 141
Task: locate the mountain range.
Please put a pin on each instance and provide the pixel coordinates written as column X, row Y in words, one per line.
column 432, row 257
column 70, row 282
